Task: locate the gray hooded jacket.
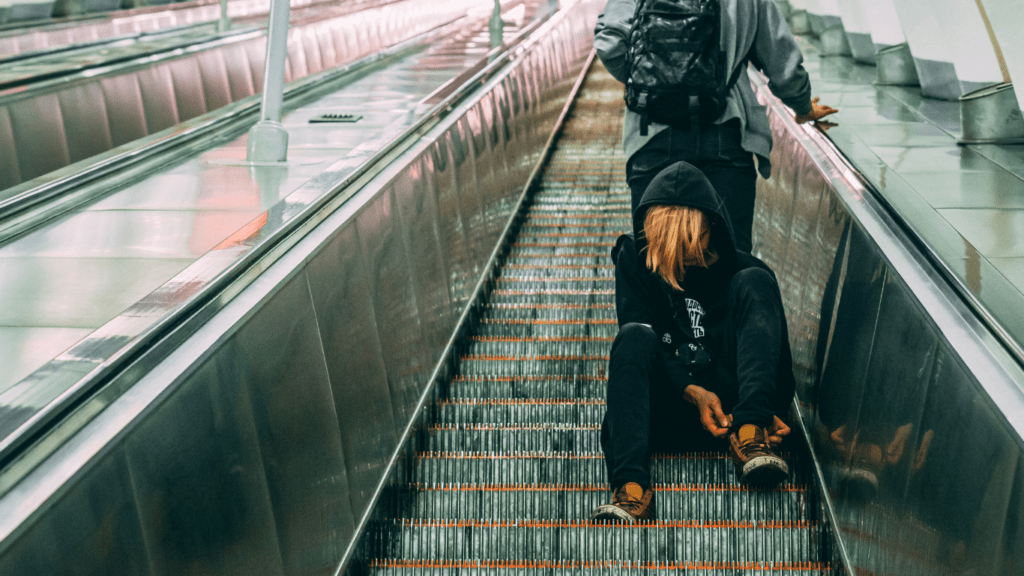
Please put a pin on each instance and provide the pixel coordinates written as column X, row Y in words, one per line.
column 753, row 28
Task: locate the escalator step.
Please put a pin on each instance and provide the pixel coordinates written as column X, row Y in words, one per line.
column 675, row 502
column 761, row 542
column 595, row 568
column 578, row 468
column 512, row 464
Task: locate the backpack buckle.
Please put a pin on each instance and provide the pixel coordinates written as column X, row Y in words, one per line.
column 641, row 104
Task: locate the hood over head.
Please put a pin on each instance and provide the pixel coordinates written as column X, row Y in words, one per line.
column 682, row 184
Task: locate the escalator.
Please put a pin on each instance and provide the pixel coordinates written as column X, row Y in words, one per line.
column 400, row 368
column 511, row 467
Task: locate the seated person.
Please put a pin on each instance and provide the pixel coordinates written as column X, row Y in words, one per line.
column 702, row 359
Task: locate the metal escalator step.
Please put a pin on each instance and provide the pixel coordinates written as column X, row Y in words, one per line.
column 576, row 468
column 563, row 243
column 618, row 209
column 557, row 252
column 507, row 438
column 701, row 505
column 595, row 568
column 521, row 411
column 539, row 346
column 582, row 312
column 772, row 543
column 536, row 283
column 622, row 218
column 576, row 201
column 578, row 258
column 567, row 269
column 562, row 251
column 532, row 328
column 559, row 386
column 534, row 228
column 592, row 364
column 570, row 238
column 563, row 273
column 554, row 296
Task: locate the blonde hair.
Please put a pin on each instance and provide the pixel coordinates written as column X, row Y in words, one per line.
column 677, row 237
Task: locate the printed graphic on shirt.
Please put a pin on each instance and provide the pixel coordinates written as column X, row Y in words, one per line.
column 696, row 312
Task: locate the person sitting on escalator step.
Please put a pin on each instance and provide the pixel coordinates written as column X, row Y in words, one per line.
column 702, row 359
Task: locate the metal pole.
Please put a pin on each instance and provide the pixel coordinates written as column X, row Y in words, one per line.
column 224, row 23
column 268, row 140
column 496, row 26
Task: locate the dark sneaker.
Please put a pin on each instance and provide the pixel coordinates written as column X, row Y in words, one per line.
column 756, row 464
column 629, row 503
column 861, row 480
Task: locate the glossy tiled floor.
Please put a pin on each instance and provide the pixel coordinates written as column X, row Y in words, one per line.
column 966, row 203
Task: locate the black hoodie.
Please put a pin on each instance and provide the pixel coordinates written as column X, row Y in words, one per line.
column 691, row 322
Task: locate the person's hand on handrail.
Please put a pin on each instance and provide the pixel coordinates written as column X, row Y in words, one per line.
column 818, row 111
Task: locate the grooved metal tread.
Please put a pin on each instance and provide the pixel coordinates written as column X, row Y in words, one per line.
column 512, row 464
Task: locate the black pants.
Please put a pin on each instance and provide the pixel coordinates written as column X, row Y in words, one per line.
column 647, row 415
column 715, row 150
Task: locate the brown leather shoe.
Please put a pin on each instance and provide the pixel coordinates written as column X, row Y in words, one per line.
column 756, row 464
column 629, row 503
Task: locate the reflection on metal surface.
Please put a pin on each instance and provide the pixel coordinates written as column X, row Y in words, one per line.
column 799, row 23
column 816, row 22
column 913, row 407
column 991, row 116
column 258, row 445
column 834, row 41
column 862, row 47
column 896, row 66
column 785, row 8
column 938, row 79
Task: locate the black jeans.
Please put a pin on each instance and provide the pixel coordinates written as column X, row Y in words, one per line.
column 715, row 150
column 645, row 413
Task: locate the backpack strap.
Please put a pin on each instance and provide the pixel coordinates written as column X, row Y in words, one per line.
column 736, row 74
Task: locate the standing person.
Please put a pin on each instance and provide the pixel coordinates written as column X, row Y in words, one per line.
column 722, row 147
column 702, row 358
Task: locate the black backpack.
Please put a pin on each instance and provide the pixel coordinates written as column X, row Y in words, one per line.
column 676, row 65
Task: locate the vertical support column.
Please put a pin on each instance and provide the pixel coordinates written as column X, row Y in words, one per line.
column 224, row 23
column 496, row 26
column 268, row 140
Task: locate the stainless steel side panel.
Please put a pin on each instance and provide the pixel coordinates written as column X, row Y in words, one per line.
column 361, row 396
column 415, row 200
column 389, row 274
column 197, row 472
column 452, row 232
column 258, row 445
column 280, row 357
column 94, row 529
column 914, row 409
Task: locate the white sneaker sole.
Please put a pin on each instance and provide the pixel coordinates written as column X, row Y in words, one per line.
column 764, row 471
column 611, row 512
